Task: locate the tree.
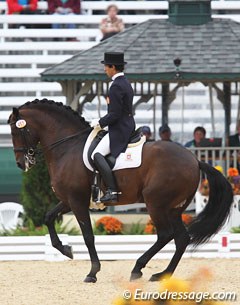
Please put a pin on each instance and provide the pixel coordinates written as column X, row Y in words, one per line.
column 37, row 196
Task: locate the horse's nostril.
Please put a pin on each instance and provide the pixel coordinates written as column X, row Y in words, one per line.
column 19, row 165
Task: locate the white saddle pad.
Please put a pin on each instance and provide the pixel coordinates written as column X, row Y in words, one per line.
column 131, row 158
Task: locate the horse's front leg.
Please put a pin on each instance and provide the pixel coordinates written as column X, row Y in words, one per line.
column 83, row 218
column 50, row 218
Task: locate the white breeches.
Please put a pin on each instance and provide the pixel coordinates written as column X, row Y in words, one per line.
column 103, row 147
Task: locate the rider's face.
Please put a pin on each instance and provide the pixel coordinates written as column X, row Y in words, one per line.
column 110, row 70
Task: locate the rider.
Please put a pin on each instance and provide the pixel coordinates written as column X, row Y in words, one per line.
column 119, row 120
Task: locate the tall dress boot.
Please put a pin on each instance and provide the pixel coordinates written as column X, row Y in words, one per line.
column 111, row 194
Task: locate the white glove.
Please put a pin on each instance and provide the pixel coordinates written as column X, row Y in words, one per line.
column 95, row 123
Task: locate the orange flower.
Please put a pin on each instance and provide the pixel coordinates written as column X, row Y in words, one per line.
column 186, row 218
column 204, row 187
column 109, row 224
column 232, row 172
column 150, row 228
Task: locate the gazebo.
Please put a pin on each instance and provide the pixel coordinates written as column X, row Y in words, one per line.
column 190, row 46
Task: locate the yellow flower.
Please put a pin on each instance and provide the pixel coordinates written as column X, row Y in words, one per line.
column 219, row 168
column 174, row 284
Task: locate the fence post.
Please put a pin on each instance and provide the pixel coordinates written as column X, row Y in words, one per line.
column 223, row 243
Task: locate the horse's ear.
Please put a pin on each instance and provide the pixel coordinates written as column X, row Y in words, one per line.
column 15, row 111
column 15, row 114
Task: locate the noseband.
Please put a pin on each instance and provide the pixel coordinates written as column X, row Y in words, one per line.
column 29, row 150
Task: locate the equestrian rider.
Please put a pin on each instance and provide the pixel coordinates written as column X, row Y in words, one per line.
column 119, row 120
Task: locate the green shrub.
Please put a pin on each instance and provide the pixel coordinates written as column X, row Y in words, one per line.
column 31, row 230
column 135, row 229
column 37, row 196
column 235, row 230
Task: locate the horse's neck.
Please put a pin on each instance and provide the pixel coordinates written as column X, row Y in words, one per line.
column 53, row 130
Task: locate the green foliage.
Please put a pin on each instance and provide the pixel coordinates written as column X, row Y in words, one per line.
column 235, row 230
column 135, row 229
column 99, row 230
column 31, row 230
column 37, row 196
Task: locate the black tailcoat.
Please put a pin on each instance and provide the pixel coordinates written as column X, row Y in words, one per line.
column 119, row 118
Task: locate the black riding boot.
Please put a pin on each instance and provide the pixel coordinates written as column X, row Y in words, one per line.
column 108, row 178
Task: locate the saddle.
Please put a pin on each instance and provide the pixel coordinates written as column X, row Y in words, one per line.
column 135, row 137
column 96, row 186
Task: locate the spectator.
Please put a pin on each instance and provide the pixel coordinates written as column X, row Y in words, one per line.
column 146, row 131
column 165, row 133
column 112, row 24
column 234, row 140
column 64, row 7
column 22, row 6
column 199, row 133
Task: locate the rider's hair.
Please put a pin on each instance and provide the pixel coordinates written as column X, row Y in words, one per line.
column 119, row 68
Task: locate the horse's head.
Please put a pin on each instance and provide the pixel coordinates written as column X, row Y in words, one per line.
column 24, row 140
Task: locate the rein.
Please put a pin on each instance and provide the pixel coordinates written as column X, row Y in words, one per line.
column 63, row 140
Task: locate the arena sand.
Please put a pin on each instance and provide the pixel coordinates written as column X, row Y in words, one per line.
column 61, row 283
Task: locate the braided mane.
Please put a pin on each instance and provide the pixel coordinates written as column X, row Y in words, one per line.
column 58, row 107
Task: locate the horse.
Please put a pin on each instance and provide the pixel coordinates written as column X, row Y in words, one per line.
column 166, row 181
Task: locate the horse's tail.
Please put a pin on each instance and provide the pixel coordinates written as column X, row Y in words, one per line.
column 214, row 215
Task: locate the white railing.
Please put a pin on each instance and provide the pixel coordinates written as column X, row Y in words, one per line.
column 223, row 156
column 88, row 7
column 117, row 247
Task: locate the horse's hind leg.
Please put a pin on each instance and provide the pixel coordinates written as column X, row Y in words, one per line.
column 182, row 239
column 50, row 218
column 163, row 237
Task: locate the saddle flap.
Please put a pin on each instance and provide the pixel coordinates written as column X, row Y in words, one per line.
column 98, row 137
column 131, row 158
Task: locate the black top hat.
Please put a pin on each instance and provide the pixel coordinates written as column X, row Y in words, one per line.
column 113, row 58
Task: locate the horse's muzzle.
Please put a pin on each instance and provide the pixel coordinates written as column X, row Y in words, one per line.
column 21, row 166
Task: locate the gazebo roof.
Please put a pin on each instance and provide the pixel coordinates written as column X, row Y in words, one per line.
column 209, row 52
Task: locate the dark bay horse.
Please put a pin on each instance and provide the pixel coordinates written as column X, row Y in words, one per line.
column 166, row 181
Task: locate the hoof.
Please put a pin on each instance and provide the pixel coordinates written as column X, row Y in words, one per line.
column 157, row 277
column 90, row 279
column 67, row 250
column 135, row 276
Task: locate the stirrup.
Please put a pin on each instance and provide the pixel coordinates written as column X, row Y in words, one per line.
column 110, row 196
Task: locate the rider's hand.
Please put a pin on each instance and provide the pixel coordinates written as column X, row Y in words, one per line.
column 95, row 123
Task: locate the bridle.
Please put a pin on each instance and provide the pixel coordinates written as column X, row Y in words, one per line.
column 30, row 150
